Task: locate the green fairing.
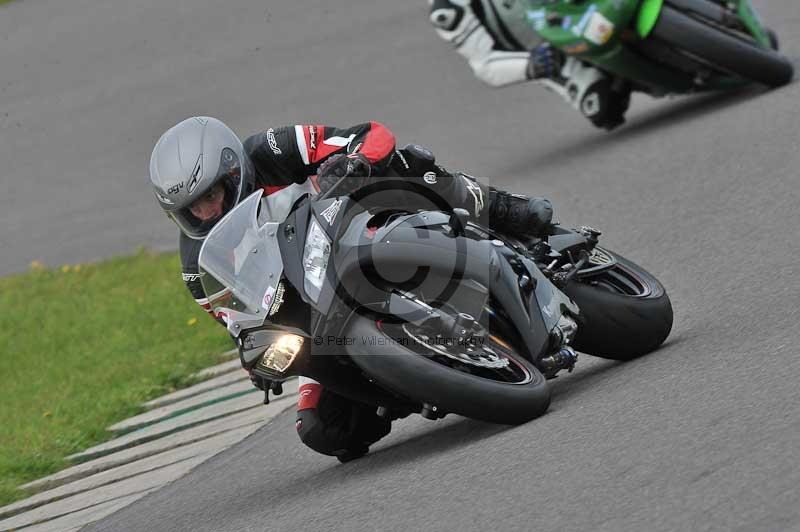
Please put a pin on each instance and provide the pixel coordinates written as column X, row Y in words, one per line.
column 573, row 27
column 648, row 15
column 753, row 22
column 574, row 21
column 613, row 55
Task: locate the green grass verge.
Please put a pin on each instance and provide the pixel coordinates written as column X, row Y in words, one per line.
column 82, row 346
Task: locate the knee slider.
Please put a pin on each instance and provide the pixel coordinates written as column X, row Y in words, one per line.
column 311, row 431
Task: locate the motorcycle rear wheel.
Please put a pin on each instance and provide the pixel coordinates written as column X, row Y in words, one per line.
column 624, row 312
column 726, row 51
column 431, row 380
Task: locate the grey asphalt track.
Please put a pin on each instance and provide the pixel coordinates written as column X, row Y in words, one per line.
column 702, row 435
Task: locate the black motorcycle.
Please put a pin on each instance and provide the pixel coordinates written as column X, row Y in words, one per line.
column 421, row 311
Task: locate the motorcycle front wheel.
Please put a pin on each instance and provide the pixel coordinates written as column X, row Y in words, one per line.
column 493, row 383
column 739, row 56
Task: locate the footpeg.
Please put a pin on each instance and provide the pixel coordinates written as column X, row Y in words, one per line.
column 431, row 412
column 565, row 358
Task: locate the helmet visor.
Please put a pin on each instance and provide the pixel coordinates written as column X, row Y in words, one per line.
column 197, row 219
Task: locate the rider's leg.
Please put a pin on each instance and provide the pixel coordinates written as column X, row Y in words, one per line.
column 593, row 93
column 334, row 425
column 515, row 214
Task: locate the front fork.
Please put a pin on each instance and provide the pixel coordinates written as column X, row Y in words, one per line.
column 562, row 268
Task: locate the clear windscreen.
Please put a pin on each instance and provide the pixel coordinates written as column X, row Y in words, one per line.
column 241, row 262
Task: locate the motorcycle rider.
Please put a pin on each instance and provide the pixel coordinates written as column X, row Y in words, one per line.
column 493, row 35
column 199, row 170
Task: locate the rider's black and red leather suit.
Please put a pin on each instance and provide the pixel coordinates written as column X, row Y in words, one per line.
column 326, row 422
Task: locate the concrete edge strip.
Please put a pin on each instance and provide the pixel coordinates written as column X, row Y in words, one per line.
column 119, row 429
column 194, row 390
column 86, row 456
column 104, row 463
column 41, row 521
column 271, row 416
column 220, row 369
column 101, row 511
column 49, row 482
column 5, row 514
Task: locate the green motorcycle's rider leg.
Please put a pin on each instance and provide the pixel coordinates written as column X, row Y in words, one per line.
column 483, row 32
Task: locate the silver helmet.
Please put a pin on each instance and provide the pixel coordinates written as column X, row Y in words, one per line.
column 189, row 160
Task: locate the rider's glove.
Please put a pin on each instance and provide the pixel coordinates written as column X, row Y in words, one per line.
column 545, row 62
column 354, row 166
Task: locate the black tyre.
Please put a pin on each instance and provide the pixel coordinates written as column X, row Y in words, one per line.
column 625, row 312
column 518, row 395
column 726, row 51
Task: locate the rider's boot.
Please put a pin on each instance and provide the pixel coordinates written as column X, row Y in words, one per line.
column 593, row 93
column 519, row 215
column 512, row 214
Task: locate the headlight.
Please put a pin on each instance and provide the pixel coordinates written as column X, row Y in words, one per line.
column 315, row 259
column 280, row 355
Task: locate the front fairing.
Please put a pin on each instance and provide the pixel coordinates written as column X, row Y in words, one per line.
column 418, row 253
column 331, row 216
column 582, row 28
column 241, row 262
column 369, row 260
column 753, row 22
column 546, row 300
column 549, row 300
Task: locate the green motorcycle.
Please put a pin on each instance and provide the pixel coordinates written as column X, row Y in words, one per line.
column 665, row 46
column 658, row 47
